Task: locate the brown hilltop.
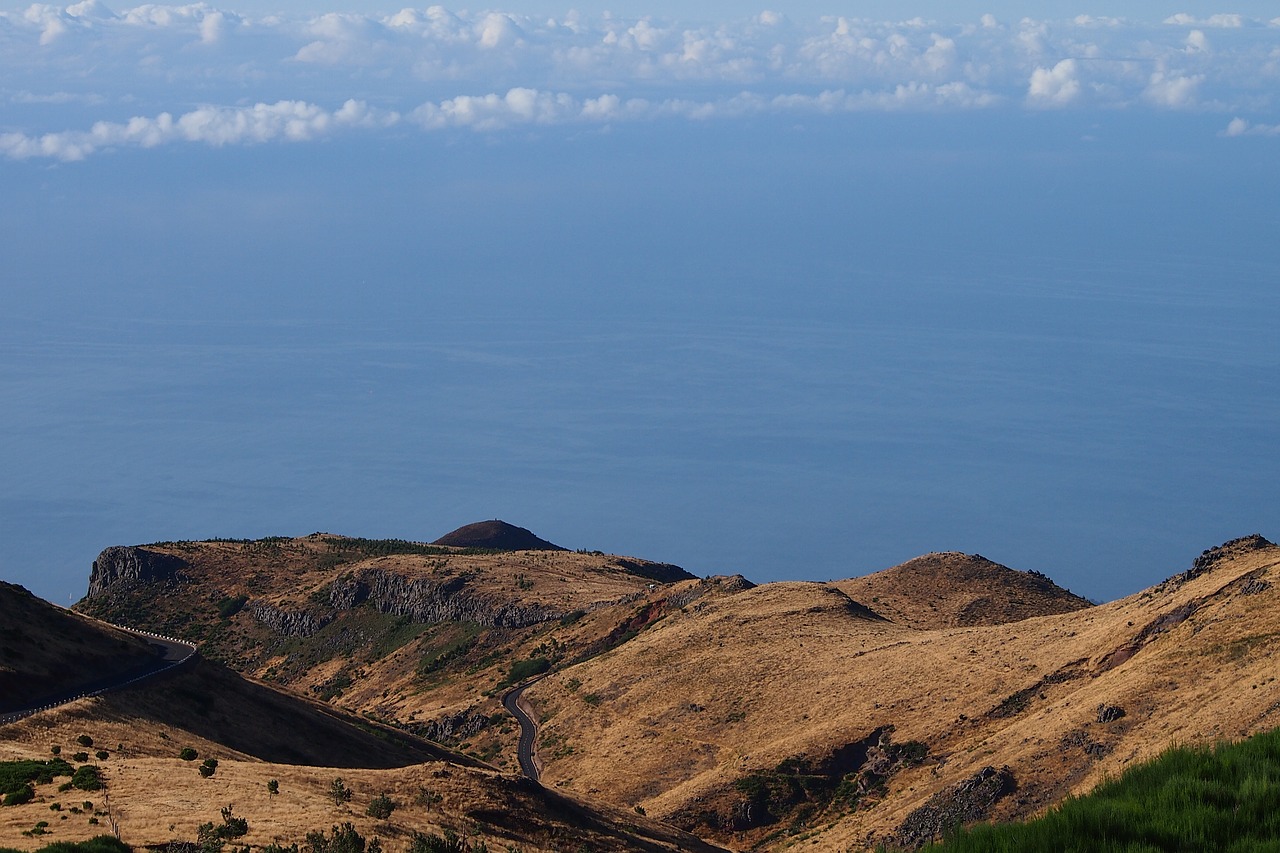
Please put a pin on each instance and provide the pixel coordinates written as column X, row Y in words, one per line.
column 496, row 535
column 951, row 589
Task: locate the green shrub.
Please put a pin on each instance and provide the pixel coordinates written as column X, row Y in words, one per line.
column 232, row 826
column 208, row 767
column 80, row 757
column 343, row 839
column 229, row 607
column 273, row 787
column 448, row 843
column 55, row 749
column 528, row 668
column 87, row 778
column 84, row 740
column 188, row 754
column 102, row 755
column 381, row 806
column 23, row 795
column 100, row 844
column 16, row 775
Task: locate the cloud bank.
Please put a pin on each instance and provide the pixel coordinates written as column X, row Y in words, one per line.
column 155, row 74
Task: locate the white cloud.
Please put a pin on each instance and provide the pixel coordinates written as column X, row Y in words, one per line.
column 1239, row 127
column 293, row 121
column 1227, row 21
column 1176, row 91
column 156, row 59
column 1054, row 87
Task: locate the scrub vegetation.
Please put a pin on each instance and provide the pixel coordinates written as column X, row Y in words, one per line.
column 1208, row 798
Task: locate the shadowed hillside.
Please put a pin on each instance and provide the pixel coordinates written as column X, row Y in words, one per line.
column 45, row 650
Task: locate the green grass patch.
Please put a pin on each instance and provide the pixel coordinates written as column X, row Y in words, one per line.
column 15, row 776
column 527, row 668
column 1225, row 797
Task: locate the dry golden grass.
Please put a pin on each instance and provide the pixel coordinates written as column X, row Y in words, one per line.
column 737, row 684
column 950, row 589
column 983, row 665
column 155, row 797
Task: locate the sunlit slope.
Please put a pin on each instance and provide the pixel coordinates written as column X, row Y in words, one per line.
column 950, row 589
column 787, row 682
column 154, row 796
column 416, row 634
column 255, row 733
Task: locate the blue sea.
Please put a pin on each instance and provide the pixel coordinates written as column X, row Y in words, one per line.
column 790, row 350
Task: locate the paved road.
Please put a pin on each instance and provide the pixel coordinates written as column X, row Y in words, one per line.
column 174, row 653
column 528, row 728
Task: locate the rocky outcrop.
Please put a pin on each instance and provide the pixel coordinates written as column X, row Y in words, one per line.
column 452, row 728
column 660, row 572
column 1109, row 713
column 429, row 600
column 122, row 565
column 1210, row 557
column 290, row 623
column 965, row 802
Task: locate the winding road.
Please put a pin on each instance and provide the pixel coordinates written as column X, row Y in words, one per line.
column 511, row 700
column 174, row 653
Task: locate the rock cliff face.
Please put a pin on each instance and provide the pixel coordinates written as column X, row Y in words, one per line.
column 425, row 600
column 122, row 565
column 291, row 623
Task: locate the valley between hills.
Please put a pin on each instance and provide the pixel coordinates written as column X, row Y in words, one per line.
column 672, row 712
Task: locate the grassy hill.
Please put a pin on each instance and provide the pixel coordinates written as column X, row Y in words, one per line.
column 170, row 753
column 813, row 716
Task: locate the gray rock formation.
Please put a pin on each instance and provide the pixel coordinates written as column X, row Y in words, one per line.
column 122, row 565
column 291, row 623
column 452, row 728
column 428, row 600
column 965, row 802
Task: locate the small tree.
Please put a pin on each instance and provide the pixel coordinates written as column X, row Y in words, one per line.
column 232, row 826
column 188, row 754
column 208, row 766
column 273, row 787
column 339, row 792
column 84, row 740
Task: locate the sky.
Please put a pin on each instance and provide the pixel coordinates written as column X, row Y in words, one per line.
column 799, row 293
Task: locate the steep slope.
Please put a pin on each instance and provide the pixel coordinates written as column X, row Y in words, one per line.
column 951, row 589
column 826, row 716
column 787, row 712
column 257, row 734
column 45, row 651
column 421, row 635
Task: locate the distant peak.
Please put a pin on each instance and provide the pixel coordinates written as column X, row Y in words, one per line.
column 496, row 535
